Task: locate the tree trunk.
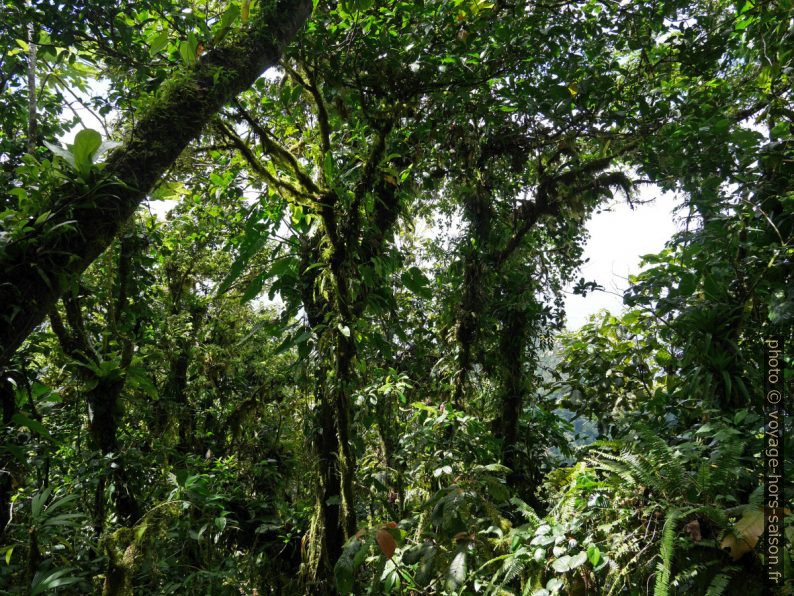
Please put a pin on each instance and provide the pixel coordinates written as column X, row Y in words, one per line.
column 8, row 404
column 37, row 268
column 347, row 464
column 511, row 348
column 32, row 108
column 103, row 424
column 329, row 495
column 478, row 214
column 524, row 476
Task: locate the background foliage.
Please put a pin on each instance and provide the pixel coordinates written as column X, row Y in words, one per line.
column 339, row 363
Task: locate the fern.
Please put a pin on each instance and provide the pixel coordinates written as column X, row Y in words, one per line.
column 513, row 568
column 525, row 510
column 666, row 550
column 721, row 581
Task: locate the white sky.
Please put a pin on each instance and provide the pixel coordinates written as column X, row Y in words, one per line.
column 618, row 238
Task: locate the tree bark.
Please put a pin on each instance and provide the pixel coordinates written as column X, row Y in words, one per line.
column 511, row 348
column 37, row 268
column 32, row 109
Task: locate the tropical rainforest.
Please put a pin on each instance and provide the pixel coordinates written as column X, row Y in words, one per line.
column 283, row 296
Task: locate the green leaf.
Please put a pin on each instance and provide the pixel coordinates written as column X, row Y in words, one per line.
column 187, row 49
column 456, row 574
column 442, row 470
column 344, row 570
column 593, row 555
column 65, row 519
column 254, row 241
column 59, row 151
column 416, row 282
column 34, row 425
column 230, row 16
column 42, row 584
column 562, row 564
column 254, row 287
column 158, row 43
column 688, row 284
column 138, row 378
column 86, row 143
column 578, row 560
column 37, row 503
column 554, row 585
column 105, row 146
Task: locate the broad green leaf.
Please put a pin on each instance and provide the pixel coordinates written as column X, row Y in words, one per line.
column 562, row 564
column 344, row 570
column 456, row 574
column 34, row 425
column 230, row 16
column 554, row 585
column 578, row 559
column 61, row 152
column 86, row 143
column 416, row 282
column 593, row 555
column 158, row 43
column 188, row 52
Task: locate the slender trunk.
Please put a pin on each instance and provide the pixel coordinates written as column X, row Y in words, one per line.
column 176, row 384
column 468, row 321
column 32, row 109
column 525, row 475
column 478, row 214
column 7, row 395
column 123, row 553
column 8, row 403
column 336, row 467
column 103, row 425
column 103, row 407
column 329, row 497
column 387, row 427
column 511, row 351
column 347, row 463
column 326, row 537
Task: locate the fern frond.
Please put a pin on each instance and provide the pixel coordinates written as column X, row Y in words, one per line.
column 666, row 550
column 721, row 581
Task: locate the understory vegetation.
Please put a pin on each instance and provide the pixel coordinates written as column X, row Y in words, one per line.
column 283, row 289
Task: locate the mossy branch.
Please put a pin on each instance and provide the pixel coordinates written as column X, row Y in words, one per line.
column 36, row 270
column 280, row 153
column 310, row 84
column 259, row 168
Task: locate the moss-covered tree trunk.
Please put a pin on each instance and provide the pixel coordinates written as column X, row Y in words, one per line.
column 346, row 351
column 331, row 535
column 511, row 355
column 478, row 214
column 37, row 268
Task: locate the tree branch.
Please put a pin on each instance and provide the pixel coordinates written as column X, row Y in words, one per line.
column 38, row 267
